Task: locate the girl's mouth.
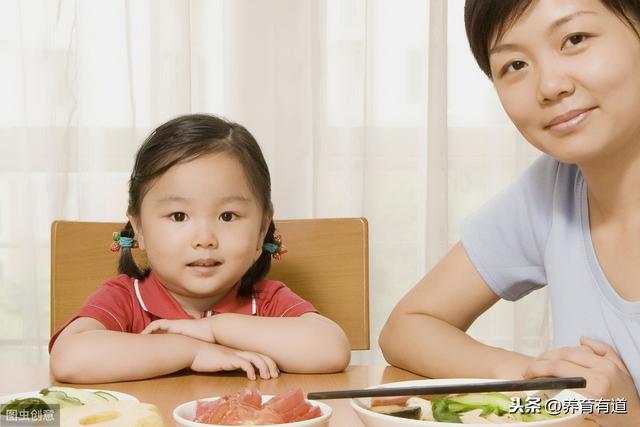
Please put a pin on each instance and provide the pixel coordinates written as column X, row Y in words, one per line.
column 204, row 266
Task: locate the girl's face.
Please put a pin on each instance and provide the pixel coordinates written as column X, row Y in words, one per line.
column 568, row 75
column 201, row 226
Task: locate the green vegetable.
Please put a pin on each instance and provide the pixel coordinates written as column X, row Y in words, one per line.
column 28, row 404
column 449, row 409
column 105, row 395
column 441, row 411
column 83, row 396
column 60, row 397
column 496, row 403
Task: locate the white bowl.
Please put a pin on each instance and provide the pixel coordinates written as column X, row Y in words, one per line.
column 373, row 419
column 185, row 413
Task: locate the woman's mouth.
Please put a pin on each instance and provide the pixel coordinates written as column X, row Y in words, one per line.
column 569, row 121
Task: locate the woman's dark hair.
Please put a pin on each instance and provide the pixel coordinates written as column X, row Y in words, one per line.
column 184, row 139
column 488, row 20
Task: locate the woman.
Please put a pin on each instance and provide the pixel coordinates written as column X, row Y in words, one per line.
column 567, row 74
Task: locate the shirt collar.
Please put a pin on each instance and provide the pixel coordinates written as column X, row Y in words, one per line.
column 157, row 300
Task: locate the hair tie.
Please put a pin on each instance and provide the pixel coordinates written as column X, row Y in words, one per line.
column 276, row 248
column 122, row 242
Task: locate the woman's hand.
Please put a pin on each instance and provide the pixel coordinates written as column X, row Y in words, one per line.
column 214, row 358
column 200, row 329
column 607, row 377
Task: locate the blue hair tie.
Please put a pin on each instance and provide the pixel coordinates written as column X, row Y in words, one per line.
column 272, row 248
column 276, row 249
column 125, row 242
column 122, row 242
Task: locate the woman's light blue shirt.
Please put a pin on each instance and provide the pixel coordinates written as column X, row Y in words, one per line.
column 536, row 233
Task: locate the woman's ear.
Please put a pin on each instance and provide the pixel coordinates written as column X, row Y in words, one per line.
column 137, row 229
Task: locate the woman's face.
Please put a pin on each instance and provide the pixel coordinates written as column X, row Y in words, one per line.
column 568, row 75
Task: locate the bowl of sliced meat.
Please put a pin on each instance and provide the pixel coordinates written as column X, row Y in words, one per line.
column 248, row 407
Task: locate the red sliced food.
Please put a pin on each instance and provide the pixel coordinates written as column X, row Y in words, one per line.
column 248, row 396
column 240, row 414
column 244, row 408
column 212, row 412
column 286, row 401
column 303, row 411
column 269, row 416
column 313, row 412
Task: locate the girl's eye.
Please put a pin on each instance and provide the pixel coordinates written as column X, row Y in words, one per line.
column 227, row 216
column 574, row 40
column 178, row 216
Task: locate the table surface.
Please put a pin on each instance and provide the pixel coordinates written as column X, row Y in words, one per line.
column 32, row 373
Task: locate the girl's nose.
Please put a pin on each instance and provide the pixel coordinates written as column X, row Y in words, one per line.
column 553, row 84
column 205, row 236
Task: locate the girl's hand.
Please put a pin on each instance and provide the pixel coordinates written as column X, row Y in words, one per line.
column 607, row 377
column 214, row 357
column 200, row 329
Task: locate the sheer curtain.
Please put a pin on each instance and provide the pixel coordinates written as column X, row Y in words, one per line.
column 335, row 91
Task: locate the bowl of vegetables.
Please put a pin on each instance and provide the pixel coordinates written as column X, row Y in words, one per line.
column 517, row 409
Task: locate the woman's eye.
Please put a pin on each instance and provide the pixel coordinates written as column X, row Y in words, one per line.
column 227, row 216
column 514, row 66
column 574, row 40
column 178, row 216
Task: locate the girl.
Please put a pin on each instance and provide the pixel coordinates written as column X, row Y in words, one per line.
column 200, row 206
column 567, row 74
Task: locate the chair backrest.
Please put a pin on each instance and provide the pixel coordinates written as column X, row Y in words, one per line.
column 327, row 264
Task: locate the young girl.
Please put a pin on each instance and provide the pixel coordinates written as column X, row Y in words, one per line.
column 568, row 75
column 200, row 206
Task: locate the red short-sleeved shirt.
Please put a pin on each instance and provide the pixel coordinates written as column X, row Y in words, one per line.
column 127, row 305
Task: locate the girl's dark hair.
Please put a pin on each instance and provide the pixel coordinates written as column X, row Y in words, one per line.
column 488, row 20
column 181, row 140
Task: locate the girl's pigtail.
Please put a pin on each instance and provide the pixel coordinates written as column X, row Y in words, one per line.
column 260, row 268
column 126, row 264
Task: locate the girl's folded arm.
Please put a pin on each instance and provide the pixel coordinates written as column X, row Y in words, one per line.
column 310, row 343
column 86, row 352
column 425, row 333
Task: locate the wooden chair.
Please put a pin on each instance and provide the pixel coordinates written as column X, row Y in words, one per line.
column 327, row 264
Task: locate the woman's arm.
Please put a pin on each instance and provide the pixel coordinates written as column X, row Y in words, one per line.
column 309, row 343
column 85, row 352
column 425, row 333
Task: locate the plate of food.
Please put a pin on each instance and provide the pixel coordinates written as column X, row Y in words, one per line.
column 248, row 407
column 65, row 397
column 81, row 407
column 517, row 409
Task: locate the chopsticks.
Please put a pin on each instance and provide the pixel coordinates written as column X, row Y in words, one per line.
column 510, row 385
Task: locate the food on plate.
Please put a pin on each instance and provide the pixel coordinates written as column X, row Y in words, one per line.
column 65, row 397
column 121, row 413
column 479, row 408
column 245, row 407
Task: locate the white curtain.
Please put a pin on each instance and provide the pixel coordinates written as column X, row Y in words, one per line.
column 335, row 91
